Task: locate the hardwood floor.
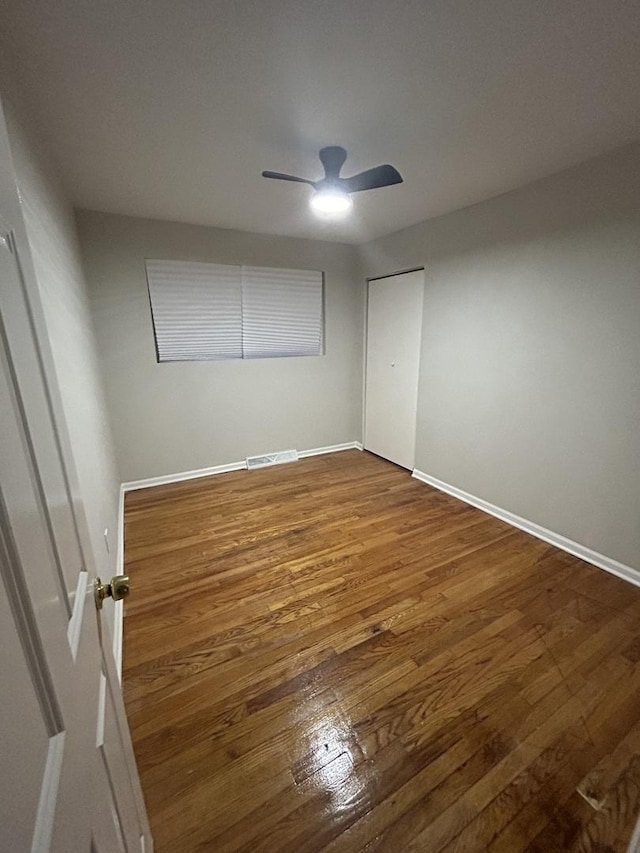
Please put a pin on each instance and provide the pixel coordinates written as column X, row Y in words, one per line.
column 331, row 656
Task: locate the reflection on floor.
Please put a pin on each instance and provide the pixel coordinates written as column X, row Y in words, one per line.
column 331, row 656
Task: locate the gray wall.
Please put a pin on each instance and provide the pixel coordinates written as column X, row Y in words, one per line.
column 66, row 333
column 530, row 371
column 170, row 418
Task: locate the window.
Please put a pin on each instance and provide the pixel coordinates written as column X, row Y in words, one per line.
column 203, row 312
column 281, row 312
column 196, row 309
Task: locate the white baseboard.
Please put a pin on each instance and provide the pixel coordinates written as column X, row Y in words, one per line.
column 568, row 545
column 330, row 448
column 165, row 479
column 230, row 466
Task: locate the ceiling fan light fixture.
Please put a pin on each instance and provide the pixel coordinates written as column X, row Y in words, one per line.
column 331, row 202
column 332, row 194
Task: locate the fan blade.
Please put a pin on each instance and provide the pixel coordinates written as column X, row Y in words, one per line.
column 371, row 179
column 332, row 158
column 280, row 177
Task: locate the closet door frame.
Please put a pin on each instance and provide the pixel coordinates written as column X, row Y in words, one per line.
column 367, row 342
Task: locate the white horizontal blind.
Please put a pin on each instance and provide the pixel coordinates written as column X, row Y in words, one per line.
column 197, row 310
column 204, row 311
column 282, row 312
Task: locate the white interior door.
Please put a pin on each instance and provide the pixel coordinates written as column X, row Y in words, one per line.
column 394, row 334
column 69, row 781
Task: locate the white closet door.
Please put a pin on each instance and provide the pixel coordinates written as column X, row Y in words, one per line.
column 394, row 333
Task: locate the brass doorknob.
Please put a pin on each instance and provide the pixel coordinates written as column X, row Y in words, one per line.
column 118, row 587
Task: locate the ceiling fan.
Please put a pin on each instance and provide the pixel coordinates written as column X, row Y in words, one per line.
column 333, row 193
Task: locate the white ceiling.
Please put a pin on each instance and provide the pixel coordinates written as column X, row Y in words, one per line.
column 171, row 109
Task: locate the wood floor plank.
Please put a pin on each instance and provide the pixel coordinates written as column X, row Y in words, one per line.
column 330, row 656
